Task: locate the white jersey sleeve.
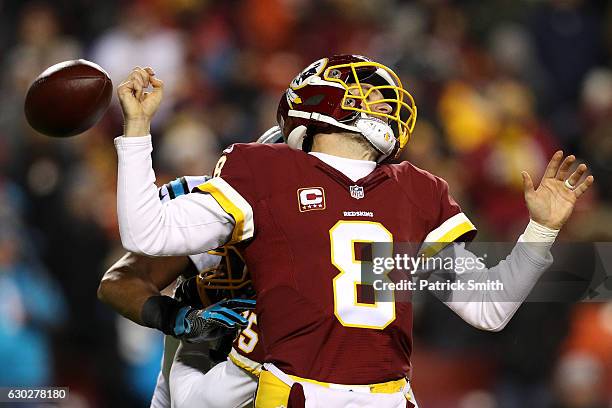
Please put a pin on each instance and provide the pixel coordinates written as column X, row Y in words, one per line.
column 517, row 274
column 189, row 224
column 182, row 186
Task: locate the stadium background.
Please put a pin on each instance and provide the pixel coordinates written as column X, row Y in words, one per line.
column 499, row 86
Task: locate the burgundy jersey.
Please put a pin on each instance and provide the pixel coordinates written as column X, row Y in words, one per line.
column 300, row 220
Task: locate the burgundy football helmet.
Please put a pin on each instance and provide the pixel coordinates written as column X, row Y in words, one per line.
column 330, row 94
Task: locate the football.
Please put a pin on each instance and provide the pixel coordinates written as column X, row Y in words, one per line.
column 68, row 98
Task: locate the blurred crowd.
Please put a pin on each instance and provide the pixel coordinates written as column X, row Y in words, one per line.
column 500, row 85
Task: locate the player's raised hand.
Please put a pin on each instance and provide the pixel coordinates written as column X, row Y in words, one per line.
column 138, row 104
column 553, row 201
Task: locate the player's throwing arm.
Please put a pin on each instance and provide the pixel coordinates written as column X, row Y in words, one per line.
column 191, row 225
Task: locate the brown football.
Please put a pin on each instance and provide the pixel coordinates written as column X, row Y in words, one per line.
column 68, row 98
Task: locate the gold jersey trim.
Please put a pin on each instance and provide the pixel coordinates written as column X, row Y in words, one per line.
column 449, row 231
column 245, row 363
column 234, row 204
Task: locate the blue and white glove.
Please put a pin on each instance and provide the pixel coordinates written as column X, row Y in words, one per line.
column 218, row 320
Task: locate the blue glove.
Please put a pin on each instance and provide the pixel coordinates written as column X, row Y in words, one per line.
column 216, row 321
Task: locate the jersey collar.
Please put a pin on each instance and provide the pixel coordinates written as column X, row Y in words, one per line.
column 351, row 168
column 373, row 174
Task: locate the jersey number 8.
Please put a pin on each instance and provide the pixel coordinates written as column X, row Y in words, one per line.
column 347, row 309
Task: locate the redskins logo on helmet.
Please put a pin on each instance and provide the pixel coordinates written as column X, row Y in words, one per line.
column 334, row 93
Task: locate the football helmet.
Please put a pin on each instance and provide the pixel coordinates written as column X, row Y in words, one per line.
column 228, row 280
column 330, row 94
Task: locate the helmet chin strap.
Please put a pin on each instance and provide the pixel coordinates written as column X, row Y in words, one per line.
column 378, row 133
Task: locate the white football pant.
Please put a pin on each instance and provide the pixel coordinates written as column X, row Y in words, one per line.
column 223, row 386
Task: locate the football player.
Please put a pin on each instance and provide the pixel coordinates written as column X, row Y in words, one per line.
column 296, row 212
column 133, row 285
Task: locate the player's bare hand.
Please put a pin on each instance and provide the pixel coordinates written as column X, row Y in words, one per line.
column 553, row 201
column 138, row 103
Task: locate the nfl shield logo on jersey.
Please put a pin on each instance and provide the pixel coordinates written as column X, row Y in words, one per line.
column 357, row 192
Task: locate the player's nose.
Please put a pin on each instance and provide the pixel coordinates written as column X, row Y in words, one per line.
column 382, row 107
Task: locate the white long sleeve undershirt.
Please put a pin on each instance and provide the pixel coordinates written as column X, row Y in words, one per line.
column 518, row 273
column 189, row 224
column 196, row 223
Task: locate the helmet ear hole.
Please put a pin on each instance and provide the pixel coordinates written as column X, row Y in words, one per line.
column 335, row 74
column 350, row 102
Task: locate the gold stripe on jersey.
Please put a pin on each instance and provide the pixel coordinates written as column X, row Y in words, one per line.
column 234, row 204
column 245, row 363
column 449, row 231
column 272, row 392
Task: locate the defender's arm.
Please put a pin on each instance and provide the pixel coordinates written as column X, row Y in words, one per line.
column 132, row 287
column 134, row 278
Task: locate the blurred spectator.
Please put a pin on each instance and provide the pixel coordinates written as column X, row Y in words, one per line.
column 141, row 348
column 267, row 24
column 493, row 129
column 31, row 308
column 567, row 34
column 140, row 39
column 591, row 335
column 578, row 383
column 40, row 44
column 596, row 143
column 188, row 146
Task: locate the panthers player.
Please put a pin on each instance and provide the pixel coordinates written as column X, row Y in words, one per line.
column 231, row 383
column 132, row 287
column 297, row 211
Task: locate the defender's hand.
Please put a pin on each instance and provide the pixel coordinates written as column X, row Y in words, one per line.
column 138, row 104
column 216, row 321
column 552, row 203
